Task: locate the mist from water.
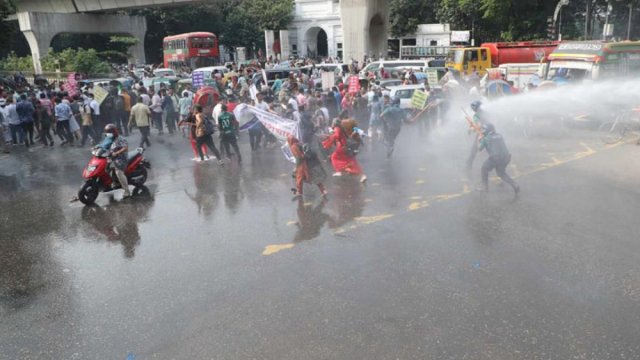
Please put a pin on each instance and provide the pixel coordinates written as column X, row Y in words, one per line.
column 600, row 100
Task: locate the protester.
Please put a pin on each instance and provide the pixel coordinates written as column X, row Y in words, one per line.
column 156, row 112
column 343, row 158
column 203, row 135
column 499, row 157
column 308, row 167
column 228, row 126
column 63, row 116
column 26, row 110
column 140, row 114
column 45, row 120
column 392, row 118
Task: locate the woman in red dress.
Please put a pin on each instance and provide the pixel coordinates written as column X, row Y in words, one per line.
column 340, row 159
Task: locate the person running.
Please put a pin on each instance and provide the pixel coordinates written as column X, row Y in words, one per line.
column 343, row 158
column 499, row 157
column 392, row 118
column 228, row 126
column 203, row 135
column 308, row 167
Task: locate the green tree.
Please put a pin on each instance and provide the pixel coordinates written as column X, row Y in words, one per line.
column 406, row 15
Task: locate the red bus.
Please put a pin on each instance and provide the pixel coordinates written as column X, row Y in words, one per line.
column 194, row 50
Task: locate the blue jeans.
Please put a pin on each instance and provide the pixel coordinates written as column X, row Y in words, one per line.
column 17, row 134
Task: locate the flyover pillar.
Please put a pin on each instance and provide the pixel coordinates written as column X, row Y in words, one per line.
column 365, row 25
column 40, row 28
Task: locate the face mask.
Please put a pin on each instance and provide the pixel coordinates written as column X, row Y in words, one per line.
column 109, row 135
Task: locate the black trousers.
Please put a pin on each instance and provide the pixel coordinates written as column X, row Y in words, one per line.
column 45, row 134
column 207, row 140
column 87, row 131
column 228, row 140
column 144, row 135
column 500, row 164
column 64, row 131
column 255, row 137
column 27, row 128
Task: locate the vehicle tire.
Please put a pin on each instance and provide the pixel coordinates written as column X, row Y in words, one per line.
column 88, row 193
column 142, row 174
column 611, row 132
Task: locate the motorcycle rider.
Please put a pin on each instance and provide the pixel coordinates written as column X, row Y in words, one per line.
column 118, row 147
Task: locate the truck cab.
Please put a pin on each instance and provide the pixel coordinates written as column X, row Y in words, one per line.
column 465, row 60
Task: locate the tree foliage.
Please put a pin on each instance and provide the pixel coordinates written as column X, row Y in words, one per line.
column 508, row 20
column 235, row 22
column 78, row 60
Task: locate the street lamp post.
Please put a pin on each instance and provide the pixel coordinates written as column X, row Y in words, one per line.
column 630, row 17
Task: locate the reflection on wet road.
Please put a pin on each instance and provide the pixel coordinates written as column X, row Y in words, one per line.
column 218, row 262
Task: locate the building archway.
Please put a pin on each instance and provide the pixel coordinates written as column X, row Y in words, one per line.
column 377, row 36
column 317, row 42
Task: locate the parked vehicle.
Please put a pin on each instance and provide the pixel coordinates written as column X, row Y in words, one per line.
column 492, row 55
column 404, row 92
column 394, row 66
column 194, row 50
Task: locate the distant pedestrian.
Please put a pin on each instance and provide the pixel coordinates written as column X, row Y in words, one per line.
column 26, row 111
column 140, row 117
column 63, row 116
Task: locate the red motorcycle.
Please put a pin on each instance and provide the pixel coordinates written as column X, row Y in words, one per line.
column 100, row 174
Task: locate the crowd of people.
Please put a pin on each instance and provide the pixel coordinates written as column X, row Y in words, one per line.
column 333, row 123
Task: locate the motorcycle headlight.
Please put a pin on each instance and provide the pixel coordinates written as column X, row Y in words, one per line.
column 91, row 168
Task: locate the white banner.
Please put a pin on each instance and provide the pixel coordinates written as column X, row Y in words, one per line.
column 280, row 127
column 284, row 44
column 328, row 80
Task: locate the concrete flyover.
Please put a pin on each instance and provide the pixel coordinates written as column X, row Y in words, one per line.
column 75, row 6
column 365, row 25
column 42, row 20
column 40, row 28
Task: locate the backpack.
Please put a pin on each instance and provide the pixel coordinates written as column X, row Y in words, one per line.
column 353, row 145
column 208, row 127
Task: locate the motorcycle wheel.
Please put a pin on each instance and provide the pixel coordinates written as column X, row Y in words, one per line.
column 143, row 174
column 88, row 193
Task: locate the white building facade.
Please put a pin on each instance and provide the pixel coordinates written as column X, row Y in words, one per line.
column 316, row 29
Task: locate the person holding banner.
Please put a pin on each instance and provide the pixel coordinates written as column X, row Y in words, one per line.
column 343, row 158
column 308, row 167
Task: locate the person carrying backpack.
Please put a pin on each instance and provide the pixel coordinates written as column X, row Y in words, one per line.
column 204, row 130
column 343, row 159
column 308, row 167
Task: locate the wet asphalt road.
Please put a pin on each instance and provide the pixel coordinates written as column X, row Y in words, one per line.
column 219, row 263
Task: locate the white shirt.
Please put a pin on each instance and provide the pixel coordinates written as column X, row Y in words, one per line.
column 293, row 103
column 13, row 117
column 217, row 110
column 262, row 106
column 95, row 106
column 156, row 104
column 146, row 99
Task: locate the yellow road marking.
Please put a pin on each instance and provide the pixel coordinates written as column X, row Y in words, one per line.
column 419, row 182
column 416, row 205
column 272, row 249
